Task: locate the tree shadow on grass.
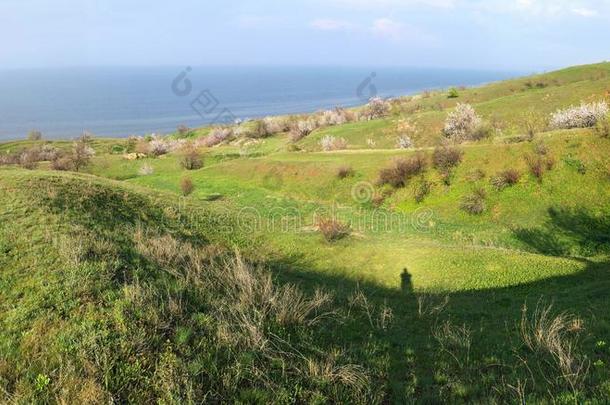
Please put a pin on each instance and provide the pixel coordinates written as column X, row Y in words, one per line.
column 569, row 232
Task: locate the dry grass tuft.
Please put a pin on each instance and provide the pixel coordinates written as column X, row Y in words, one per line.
column 328, row 371
column 555, row 336
column 454, row 340
column 430, row 304
column 332, row 229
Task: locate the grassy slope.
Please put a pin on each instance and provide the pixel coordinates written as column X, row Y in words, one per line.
column 72, row 321
column 518, row 250
column 303, row 184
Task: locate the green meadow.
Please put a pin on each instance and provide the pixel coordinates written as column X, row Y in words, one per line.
column 117, row 285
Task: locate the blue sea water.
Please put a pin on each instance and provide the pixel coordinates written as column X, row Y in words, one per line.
column 120, row 101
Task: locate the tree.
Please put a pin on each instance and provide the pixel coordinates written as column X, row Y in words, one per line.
column 34, row 135
column 81, row 154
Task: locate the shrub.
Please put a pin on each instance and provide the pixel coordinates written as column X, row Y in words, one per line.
column 81, row 154
column 453, row 93
column 191, row 158
column 29, row 159
column 540, row 148
column 505, row 178
column 345, row 172
column 130, row 145
column 376, row 108
column 183, row 131
column 215, row 137
column 583, row 116
column 404, row 142
column 461, row 123
column 117, row 149
column 274, row 125
column 402, row 170
column 537, row 165
column 422, row 189
column 533, row 123
column 141, row 147
column 337, row 116
column 157, row 146
column 446, row 157
column 62, row 162
column 260, row 130
column 329, row 143
column 34, row 135
column 603, row 127
column 483, row 131
column 332, row 229
column 474, row 203
column 186, row 186
column 146, row 170
column 301, row 129
column 475, row 175
column 9, row 158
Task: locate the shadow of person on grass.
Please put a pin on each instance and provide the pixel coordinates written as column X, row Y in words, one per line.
column 406, row 282
column 494, row 313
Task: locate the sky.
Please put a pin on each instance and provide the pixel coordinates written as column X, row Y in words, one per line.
column 476, row 34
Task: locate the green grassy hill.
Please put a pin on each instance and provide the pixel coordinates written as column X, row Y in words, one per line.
column 114, row 287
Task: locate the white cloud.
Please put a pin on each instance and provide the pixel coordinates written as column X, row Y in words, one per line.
column 382, row 28
column 327, row 24
column 387, row 28
column 585, row 12
column 544, row 8
column 558, row 7
column 377, row 4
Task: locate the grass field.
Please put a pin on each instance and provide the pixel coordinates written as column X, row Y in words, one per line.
column 115, row 287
